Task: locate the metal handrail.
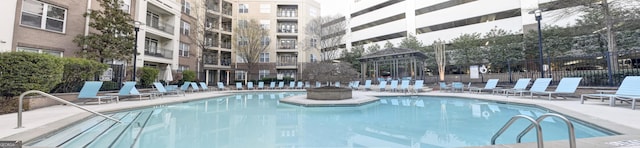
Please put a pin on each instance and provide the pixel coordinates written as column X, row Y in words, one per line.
column 572, row 136
column 511, row 121
column 57, row 99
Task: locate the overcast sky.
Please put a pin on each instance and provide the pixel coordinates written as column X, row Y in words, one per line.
column 331, row 7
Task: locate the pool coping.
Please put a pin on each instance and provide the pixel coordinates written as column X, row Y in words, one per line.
column 627, row 133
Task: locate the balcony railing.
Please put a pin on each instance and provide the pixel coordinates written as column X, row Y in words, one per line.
column 287, row 47
column 214, row 61
column 211, row 44
column 226, row 62
column 226, row 28
column 215, row 8
column 288, row 30
column 226, row 45
column 292, row 13
column 159, row 52
column 162, row 27
column 286, row 64
column 227, row 12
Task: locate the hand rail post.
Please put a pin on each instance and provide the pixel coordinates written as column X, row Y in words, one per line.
column 57, row 99
column 511, row 121
column 570, row 128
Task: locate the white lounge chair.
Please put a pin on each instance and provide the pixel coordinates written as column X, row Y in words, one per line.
column 521, row 84
column 567, row 86
column 629, row 88
column 491, row 84
column 539, row 85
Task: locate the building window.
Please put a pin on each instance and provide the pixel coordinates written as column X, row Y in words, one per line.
column 42, row 15
column 265, row 8
column 243, row 23
column 263, row 74
column 244, row 8
column 153, row 19
column 313, row 42
column 182, row 68
column 150, row 46
column 240, row 59
column 264, row 57
column 184, row 49
column 265, row 41
column 185, row 28
column 186, row 7
column 37, row 50
column 243, row 41
column 265, row 24
column 124, row 5
column 313, row 58
column 239, row 75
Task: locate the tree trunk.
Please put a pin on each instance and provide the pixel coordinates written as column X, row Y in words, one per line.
column 611, row 38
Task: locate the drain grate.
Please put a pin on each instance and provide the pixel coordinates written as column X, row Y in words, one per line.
column 625, row 143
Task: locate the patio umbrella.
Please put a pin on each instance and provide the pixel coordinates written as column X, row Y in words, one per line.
column 168, row 76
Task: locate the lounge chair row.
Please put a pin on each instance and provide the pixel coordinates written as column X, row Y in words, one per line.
column 629, row 89
column 404, row 85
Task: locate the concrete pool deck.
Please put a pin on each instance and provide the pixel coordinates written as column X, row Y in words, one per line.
column 620, row 118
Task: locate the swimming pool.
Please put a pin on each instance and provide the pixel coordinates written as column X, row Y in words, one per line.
column 259, row 120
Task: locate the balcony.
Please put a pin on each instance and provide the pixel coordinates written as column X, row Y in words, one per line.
column 159, row 52
column 286, row 65
column 288, row 13
column 228, row 12
column 165, row 27
column 226, row 45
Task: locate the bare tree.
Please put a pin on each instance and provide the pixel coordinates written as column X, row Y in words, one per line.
column 329, row 72
column 608, row 19
column 328, row 33
column 251, row 39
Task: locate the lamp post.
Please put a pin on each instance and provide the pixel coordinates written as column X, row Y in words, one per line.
column 538, row 14
column 136, row 28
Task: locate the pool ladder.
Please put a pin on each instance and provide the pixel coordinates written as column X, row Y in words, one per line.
column 57, row 99
column 536, row 123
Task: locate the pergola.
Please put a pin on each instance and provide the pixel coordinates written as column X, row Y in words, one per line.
column 393, row 63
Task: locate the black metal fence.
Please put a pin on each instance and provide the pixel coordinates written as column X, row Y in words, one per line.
column 600, row 69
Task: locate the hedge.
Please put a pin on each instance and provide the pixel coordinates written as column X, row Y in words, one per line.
column 76, row 71
column 23, row 71
column 188, row 75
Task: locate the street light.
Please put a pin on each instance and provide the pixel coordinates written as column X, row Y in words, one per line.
column 538, row 14
column 136, row 28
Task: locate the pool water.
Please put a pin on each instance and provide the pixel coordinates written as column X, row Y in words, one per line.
column 259, row 120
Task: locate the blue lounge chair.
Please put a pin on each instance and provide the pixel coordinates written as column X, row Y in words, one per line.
column 204, row 86
column 567, row 86
column 90, row 91
column 260, row 85
column 629, row 87
column 491, row 84
column 404, row 86
column 417, row 86
column 539, row 85
column 220, row 86
column 161, row 90
column 280, row 85
column 356, row 85
column 521, row 84
column 239, row 85
column 457, row 86
column 318, row 84
column 249, row 85
column 443, row 86
column 185, row 86
column 300, row 85
column 292, row 85
column 194, row 87
column 367, row 85
column 272, row 85
column 307, row 84
column 394, row 85
column 129, row 89
column 337, row 84
column 382, row 85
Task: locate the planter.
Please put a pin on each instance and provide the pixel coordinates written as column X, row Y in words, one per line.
column 328, row 93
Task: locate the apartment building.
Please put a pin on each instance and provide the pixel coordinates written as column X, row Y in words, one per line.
column 188, row 49
column 379, row 21
column 159, row 35
column 49, row 26
column 217, row 18
column 286, row 21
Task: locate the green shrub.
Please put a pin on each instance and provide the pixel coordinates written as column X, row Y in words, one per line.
column 188, row 75
column 148, row 76
column 23, row 71
column 76, row 71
